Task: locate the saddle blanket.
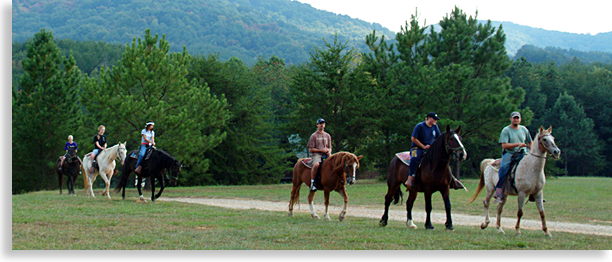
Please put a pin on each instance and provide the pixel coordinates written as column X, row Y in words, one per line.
column 404, row 157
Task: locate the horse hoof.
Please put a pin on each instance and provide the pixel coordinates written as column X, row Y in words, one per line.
column 290, row 214
column 341, row 218
column 450, row 228
column 483, row 225
column 382, row 223
column 548, row 235
column 316, row 217
column 430, row 228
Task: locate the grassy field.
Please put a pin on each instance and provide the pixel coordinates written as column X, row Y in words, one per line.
column 45, row 220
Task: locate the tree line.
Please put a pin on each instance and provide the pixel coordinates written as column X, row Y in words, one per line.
column 231, row 123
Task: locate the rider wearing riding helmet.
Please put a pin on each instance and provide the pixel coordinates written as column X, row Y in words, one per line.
column 148, row 137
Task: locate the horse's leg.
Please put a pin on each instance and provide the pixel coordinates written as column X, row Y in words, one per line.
column 388, row 199
column 152, row 188
column 292, row 200
column 326, row 215
column 313, row 214
column 500, row 209
column 139, row 185
column 539, row 199
column 428, row 209
column 107, row 183
column 90, row 179
column 411, row 197
column 346, row 199
column 519, row 213
column 60, row 176
column 161, row 187
column 447, row 207
column 487, row 203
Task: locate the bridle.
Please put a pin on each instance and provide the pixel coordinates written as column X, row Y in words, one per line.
column 453, row 150
column 542, row 146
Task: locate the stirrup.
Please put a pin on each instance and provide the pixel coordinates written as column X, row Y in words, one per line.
column 313, row 187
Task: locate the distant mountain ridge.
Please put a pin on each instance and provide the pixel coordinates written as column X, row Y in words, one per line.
column 242, row 28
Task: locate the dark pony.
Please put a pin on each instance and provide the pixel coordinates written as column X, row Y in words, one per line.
column 70, row 169
column 433, row 174
column 153, row 167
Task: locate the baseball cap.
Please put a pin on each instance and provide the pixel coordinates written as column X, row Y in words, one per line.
column 321, row 120
column 513, row 114
column 433, row 115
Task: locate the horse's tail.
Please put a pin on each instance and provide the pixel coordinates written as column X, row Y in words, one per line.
column 297, row 184
column 483, row 166
column 124, row 176
column 397, row 196
column 84, row 176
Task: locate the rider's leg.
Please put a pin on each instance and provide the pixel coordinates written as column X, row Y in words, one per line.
column 61, row 162
column 143, row 150
column 93, row 155
column 316, row 161
column 415, row 154
column 503, row 173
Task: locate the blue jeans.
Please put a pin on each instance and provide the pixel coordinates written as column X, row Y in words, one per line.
column 415, row 159
column 504, row 168
column 143, row 150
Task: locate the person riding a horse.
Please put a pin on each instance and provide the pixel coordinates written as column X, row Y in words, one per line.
column 99, row 145
column 515, row 139
column 423, row 136
column 148, row 137
column 67, row 146
column 319, row 145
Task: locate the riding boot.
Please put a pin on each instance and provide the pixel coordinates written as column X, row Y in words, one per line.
column 410, row 182
column 138, row 169
column 456, row 184
column 499, row 195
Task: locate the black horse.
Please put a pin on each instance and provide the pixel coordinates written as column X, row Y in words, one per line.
column 154, row 167
column 70, row 168
column 433, row 174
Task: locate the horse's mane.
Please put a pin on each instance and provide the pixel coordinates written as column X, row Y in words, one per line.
column 167, row 161
column 437, row 149
column 338, row 159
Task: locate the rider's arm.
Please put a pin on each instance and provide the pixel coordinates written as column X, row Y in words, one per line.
column 98, row 145
column 145, row 138
column 513, row 145
column 417, row 142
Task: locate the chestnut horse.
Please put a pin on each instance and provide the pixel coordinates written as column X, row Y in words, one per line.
column 433, row 174
column 337, row 170
column 529, row 180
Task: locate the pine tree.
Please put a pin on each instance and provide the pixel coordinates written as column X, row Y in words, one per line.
column 149, row 83
column 44, row 113
column 573, row 131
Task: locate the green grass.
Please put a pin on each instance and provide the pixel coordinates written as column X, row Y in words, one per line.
column 46, row 220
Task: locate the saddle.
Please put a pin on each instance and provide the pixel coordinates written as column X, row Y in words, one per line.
column 95, row 163
column 146, row 157
column 308, row 164
column 514, row 161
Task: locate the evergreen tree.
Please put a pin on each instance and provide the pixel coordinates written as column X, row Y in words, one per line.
column 336, row 87
column 574, row 135
column 44, row 113
column 149, row 83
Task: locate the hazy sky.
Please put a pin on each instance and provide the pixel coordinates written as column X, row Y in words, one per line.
column 581, row 16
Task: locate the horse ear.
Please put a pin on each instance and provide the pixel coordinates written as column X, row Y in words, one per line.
column 447, row 128
column 541, row 129
column 458, row 130
column 549, row 129
column 359, row 157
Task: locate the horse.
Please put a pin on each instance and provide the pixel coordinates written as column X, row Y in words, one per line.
column 433, row 174
column 529, row 180
column 70, row 168
column 337, row 170
column 106, row 167
column 154, row 167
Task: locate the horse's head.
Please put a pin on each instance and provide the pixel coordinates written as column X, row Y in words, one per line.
column 175, row 169
column 122, row 152
column 546, row 142
column 349, row 163
column 71, row 153
column 453, row 143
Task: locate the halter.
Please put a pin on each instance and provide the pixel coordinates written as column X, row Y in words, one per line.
column 540, row 145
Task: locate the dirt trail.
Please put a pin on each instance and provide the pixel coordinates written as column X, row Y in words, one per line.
column 419, row 217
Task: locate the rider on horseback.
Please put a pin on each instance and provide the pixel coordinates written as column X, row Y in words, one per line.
column 67, row 146
column 514, row 139
column 148, row 137
column 99, row 145
column 423, row 136
column 319, row 145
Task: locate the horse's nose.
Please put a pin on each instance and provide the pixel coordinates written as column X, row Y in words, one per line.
column 556, row 153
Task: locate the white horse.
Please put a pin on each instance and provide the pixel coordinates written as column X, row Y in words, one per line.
column 529, row 180
column 106, row 164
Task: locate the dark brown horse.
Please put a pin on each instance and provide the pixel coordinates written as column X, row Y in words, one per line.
column 432, row 175
column 70, row 168
column 153, row 167
column 337, row 170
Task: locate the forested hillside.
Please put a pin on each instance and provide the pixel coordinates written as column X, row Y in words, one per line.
column 560, row 56
column 241, row 28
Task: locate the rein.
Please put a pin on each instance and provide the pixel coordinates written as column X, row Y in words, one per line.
column 540, row 144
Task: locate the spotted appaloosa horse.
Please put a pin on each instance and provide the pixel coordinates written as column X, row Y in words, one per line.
column 336, row 171
column 529, row 180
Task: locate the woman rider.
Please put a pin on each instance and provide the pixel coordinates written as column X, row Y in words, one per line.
column 100, row 144
column 148, row 137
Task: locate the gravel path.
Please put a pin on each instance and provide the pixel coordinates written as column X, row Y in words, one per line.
column 419, row 217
